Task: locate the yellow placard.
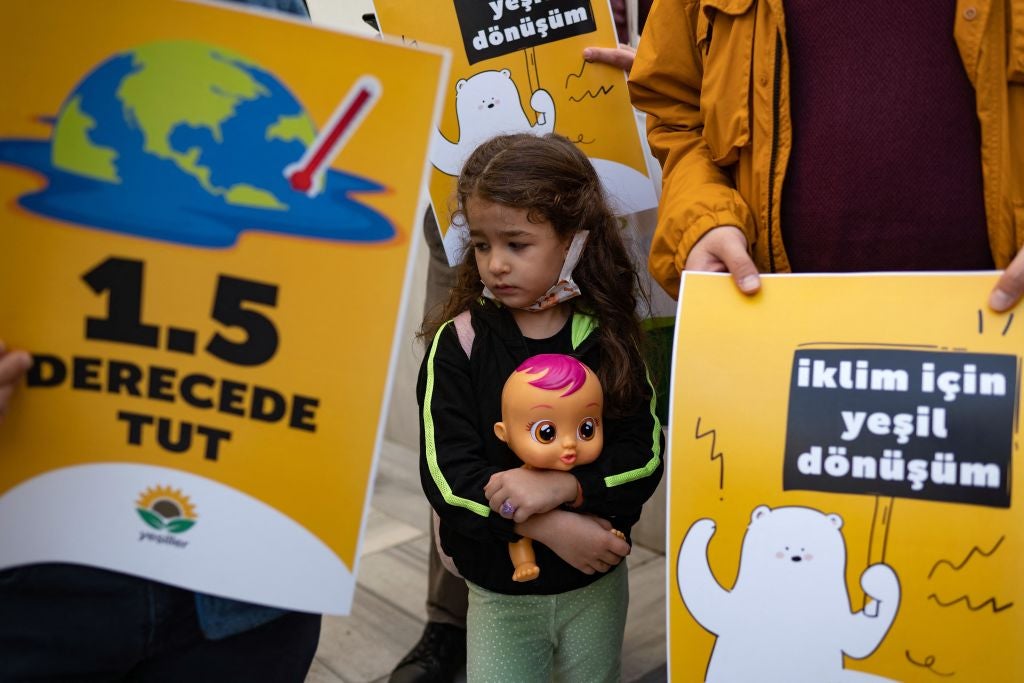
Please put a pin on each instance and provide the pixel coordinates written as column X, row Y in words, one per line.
column 842, row 495
column 517, row 66
column 207, row 216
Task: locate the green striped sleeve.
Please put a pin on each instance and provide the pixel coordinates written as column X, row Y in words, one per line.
column 429, row 440
column 651, row 465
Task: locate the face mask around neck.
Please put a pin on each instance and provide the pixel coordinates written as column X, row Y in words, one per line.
column 565, row 288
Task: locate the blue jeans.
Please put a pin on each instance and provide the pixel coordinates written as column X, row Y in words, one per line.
column 63, row 622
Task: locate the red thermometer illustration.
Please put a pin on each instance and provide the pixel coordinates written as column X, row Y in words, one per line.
column 307, row 174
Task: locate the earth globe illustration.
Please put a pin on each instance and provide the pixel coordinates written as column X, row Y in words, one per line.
column 187, row 142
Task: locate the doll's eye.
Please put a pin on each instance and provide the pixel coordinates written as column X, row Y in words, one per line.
column 587, row 429
column 543, row 431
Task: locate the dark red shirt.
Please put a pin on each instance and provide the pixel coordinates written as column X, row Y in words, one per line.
column 885, row 170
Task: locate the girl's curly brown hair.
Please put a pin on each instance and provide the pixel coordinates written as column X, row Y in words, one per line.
column 550, row 178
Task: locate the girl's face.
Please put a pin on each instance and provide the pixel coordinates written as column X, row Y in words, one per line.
column 518, row 260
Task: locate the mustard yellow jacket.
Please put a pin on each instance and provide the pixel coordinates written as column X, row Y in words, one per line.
column 713, row 77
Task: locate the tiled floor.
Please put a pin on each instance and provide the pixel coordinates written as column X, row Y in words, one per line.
column 388, row 612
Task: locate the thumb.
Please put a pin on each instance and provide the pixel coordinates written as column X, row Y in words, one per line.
column 1009, row 287
column 733, row 253
column 13, row 365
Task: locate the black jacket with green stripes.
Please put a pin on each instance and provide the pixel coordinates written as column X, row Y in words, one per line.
column 460, row 400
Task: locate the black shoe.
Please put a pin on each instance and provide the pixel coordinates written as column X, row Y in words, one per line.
column 436, row 658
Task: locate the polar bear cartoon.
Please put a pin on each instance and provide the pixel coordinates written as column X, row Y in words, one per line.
column 788, row 616
column 487, row 104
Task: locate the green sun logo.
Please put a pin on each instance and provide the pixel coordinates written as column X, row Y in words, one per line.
column 166, row 509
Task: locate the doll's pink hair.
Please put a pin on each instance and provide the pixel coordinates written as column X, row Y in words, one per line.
column 560, row 371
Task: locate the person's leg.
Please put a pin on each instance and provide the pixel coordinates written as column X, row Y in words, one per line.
column 71, row 622
column 591, row 626
column 509, row 637
column 279, row 651
column 441, row 649
column 446, row 593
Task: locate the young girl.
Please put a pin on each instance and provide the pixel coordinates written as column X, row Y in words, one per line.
column 546, row 272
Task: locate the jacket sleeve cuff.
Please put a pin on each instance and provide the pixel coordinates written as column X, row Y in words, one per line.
column 705, row 224
column 592, row 486
column 502, row 528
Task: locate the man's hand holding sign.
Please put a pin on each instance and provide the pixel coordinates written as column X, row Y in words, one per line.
column 13, row 366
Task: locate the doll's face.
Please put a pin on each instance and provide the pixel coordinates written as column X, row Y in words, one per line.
column 550, row 431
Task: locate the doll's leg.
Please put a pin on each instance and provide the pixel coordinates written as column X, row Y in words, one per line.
column 523, row 560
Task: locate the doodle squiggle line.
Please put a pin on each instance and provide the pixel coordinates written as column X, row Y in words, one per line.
column 714, row 456
column 576, row 75
column 996, row 607
column 928, row 663
column 603, row 90
column 975, row 549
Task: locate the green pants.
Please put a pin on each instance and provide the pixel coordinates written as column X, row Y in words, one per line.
column 574, row 637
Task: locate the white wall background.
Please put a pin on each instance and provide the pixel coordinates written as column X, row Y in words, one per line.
column 341, row 14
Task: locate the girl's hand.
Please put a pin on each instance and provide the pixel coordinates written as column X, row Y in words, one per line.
column 529, row 492
column 584, row 541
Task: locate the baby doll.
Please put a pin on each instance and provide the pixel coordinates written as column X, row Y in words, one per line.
column 551, row 419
